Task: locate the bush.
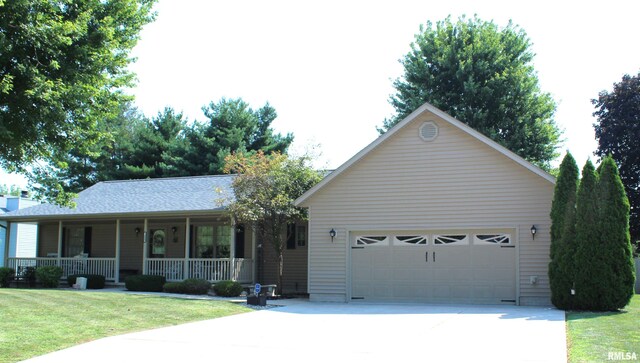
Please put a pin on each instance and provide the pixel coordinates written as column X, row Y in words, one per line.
column 49, row 275
column 228, row 288
column 93, row 281
column 188, row 286
column 152, row 283
column 6, row 275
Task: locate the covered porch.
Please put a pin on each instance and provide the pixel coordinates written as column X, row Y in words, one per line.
column 208, row 247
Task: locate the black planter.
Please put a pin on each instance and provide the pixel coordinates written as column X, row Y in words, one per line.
column 260, row 300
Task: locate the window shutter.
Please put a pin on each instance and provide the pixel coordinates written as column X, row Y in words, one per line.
column 291, row 236
column 239, row 248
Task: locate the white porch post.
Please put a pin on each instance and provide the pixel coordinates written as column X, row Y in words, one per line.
column 232, row 251
column 59, row 241
column 145, row 246
column 254, row 249
column 187, row 246
column 117, row 262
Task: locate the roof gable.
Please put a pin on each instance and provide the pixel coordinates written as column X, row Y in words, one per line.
column 123, row 197
column 402, row 124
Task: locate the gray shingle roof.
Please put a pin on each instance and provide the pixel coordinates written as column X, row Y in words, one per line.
column 154, row 196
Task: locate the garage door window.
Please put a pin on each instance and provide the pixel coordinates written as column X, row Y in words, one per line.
column 492, row 239
column 372, row 240
column 451, row 239
column 410, row 240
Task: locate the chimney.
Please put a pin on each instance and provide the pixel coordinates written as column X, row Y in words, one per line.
column 24, row 194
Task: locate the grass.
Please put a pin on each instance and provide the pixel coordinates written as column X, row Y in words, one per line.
column 35, row 322
column 591, row 336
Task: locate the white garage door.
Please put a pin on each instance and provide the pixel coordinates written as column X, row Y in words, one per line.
column 439, row 267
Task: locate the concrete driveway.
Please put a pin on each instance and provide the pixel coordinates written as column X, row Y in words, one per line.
column 315, row 332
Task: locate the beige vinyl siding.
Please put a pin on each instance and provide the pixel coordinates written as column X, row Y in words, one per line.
column 294, row 278
column 407, row 183
column 103, row 240
column 47, row 239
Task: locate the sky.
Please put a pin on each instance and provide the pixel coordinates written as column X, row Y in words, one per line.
column 327, row 67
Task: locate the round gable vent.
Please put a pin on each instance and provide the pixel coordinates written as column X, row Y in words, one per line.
column 429, row 131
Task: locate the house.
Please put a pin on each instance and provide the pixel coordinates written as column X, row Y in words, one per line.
column 22, row 239
column 176, row 227
column 431, row 211
column 168, row 226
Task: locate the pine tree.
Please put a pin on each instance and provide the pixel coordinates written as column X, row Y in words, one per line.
column 588, row 260
column 618, row 277
column 563, row 209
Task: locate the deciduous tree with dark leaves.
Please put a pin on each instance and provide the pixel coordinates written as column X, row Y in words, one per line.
column 618, row 134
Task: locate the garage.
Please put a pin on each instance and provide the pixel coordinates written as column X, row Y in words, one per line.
column 456, row 266
column 432, row 211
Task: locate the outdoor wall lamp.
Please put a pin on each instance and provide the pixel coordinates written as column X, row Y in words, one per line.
column 332, row 233
column 137, row 230
column 533, row 231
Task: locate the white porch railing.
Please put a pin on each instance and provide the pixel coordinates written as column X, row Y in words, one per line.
column 171, row 268
column 70, row 265
column 216, row 269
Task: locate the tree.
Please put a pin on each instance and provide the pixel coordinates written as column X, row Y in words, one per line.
column 154, row 140
column 63, row 66
column 78, row 168
column 589, row 265
column 483, row 76
column 264, row 192
column 618, row 278
column 618, row 133
column 563, row 214
column 14, row 190
column 233, row 126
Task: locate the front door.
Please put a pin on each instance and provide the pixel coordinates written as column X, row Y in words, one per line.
column 158, row 246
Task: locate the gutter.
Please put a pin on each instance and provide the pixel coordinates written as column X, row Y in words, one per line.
column 133, row 215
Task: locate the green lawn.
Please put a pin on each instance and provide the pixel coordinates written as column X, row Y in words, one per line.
column 34, row 322
column 591, row 336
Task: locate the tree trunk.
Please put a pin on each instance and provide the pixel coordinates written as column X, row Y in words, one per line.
column 280, row 271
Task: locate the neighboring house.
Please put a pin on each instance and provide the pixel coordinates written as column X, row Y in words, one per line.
column 431, row 211
column 22, row 238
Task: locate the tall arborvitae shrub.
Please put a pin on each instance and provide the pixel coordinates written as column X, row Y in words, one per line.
column 618, row 278
column 563, row 209
column 561, row 269
column 588, row 262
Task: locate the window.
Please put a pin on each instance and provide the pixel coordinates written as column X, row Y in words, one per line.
column 301, row 235
column 451, row 239
column 410, row 240
column 157, row 243
column 223, row 241
column 372, row 240
column 491, row 239
column 204, row 242
column 212, row 242
column 75, row 241
column 296, row 235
